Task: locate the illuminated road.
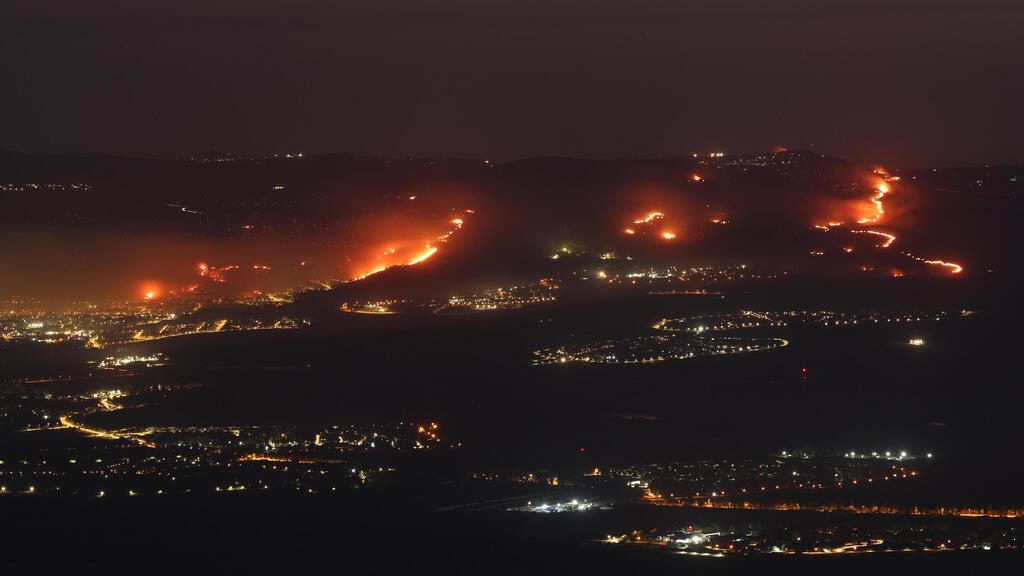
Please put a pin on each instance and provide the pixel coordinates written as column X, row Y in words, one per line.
column 696, row 343
column 139, row 337
column 69, row 423
column 848, row 508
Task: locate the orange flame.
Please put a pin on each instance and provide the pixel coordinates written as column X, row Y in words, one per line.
column 429, row 250
column 650, row 218
column 882, row 189
column 889, row 237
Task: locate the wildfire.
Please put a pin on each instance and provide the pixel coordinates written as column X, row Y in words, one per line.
column 953, row 268
column 428, row 250
column 650, row 218
column 217, row 273
column 881, row 190
column 889, row 238
column 828, row 226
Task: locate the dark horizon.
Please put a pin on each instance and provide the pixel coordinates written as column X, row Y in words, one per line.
column 186, row 156
column 512, row 286
column 904, row 83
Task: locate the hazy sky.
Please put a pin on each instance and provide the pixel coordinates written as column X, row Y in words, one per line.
column 901, row 82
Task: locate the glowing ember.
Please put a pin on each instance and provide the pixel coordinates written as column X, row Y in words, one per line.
column 889, row 238
column 883, row 189
column 650, row 218
column 428, row 250
column 629, row 231
column 668, row 235
column 217, row 273
column 953, row 268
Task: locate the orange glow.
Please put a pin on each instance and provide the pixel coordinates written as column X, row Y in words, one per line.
column 217, row 273
column 883, row 189
column 696, row 178
column 428, row 250
column 650, row 218
column 370, row 273
column 668, row 235
column 150, row 290
column 828, row 226
column 889, row 238
column 848, row 249
column 630, row 231
column 954, row 268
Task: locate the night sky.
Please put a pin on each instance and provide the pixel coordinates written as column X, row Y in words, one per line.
column 900, row 82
